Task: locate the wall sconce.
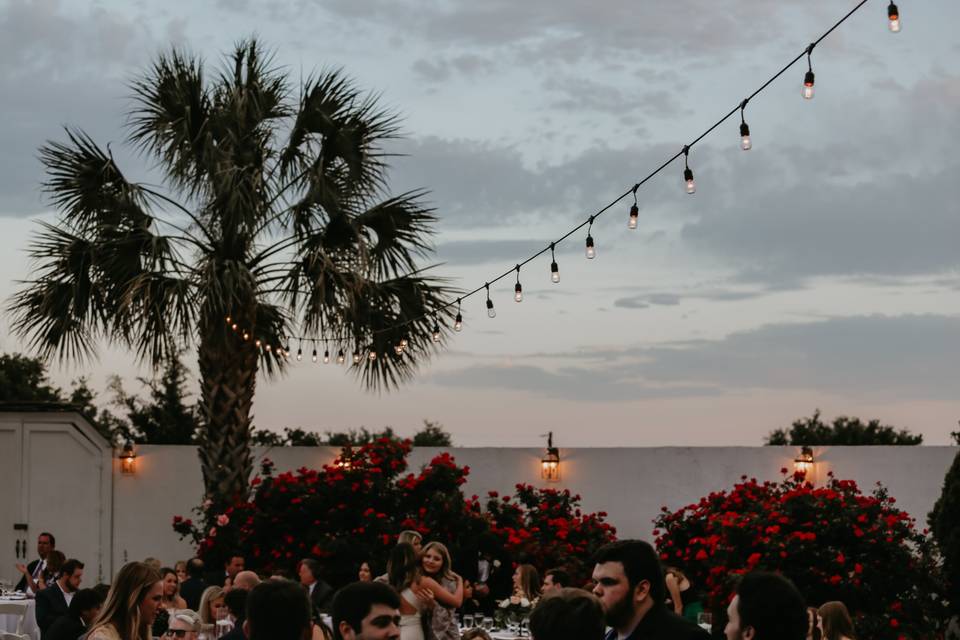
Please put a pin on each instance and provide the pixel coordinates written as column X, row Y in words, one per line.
column 128, row 460
column 803, row 463
column 550, row 464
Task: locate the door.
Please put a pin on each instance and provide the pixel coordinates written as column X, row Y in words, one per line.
column 12, row 539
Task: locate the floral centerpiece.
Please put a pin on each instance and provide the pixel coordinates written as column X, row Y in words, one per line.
column 513, row 609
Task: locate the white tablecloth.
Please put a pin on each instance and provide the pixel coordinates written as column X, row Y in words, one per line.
column 8, row 623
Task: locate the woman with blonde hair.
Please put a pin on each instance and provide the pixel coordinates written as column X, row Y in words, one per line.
column 210, row 603
column 835, row 622
column 131, row 605
column 435, row 563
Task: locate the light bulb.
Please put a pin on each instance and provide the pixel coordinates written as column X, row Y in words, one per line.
column 458, row 323
column 403, row 344
column 300, row 355
column 372, row 355
column 634, row 215
column 234, row 326
column 229, row 320
column 257, row 343
column 491, row 312
column 398, row 350
column 894, row 15
column 745, row 142
column 326, row 357
column 518, row 292
column 808, row 86
column 591, row 250
column 268, row 348
column 341, row 358
column 314, row 356
column 688, row 179
column 246, row 336
column 436, row 332
column 356, row 357
column 554, row 272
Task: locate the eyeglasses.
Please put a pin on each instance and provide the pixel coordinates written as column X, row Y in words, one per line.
column 177, row 633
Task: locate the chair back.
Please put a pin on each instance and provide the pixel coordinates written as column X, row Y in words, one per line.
column 14, row 636
column 18, row 609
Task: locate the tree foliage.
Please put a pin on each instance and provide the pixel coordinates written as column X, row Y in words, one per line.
column 432, row 435
column 844, row 431
column 944, row 523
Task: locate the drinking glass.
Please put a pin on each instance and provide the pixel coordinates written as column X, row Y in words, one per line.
column 224, row 622
column 467, row 621
column 705, row 619
column 525, row 627
column 488, row 624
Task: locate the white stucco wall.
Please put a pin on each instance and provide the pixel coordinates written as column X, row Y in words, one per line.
column 630, row 484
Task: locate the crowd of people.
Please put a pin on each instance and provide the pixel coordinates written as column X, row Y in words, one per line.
column 630, row 596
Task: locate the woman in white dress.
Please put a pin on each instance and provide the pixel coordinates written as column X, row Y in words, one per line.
column 418, row 593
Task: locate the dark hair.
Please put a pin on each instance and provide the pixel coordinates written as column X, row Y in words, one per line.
column 102, row 590
column 353, row 603
column 570, row 614
column 165, row 571
column 195, row 568
column 70, row 566
column 230, row 558
column 836, row 621
column 560, row 577
column 236, row 601
column 773, row 606
column 313, row 566
column 278, row 610
column 639, row 562
column 53, row 541
column 83, row 600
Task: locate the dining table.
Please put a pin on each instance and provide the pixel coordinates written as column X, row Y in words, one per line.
column 26, row 608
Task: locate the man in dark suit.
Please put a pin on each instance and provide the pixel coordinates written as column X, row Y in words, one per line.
column 83, row 609
column 45, row 544
column 767, row 607
column 235, row 601
column 54, row 601
column 233, row 565
column 629, row 583
column 321, row 593
column 191, row 590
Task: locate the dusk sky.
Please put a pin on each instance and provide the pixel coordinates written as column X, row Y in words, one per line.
column 821, row 269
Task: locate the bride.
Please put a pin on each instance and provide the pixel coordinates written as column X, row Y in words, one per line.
column 418, row 593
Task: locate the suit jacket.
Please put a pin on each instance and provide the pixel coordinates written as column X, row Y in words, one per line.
column 192, row 590
column 66, row 627
column 236, row 633
column 50, row 605
column 322, row 597
column 22, row 585
column 662, row 624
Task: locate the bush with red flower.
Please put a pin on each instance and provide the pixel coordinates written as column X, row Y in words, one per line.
column 351, row 511
column 834, row 542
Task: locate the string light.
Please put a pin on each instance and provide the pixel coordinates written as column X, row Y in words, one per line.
column 436, row 330
column 341, row 357
column 356, row 357
column 326, row 357
column 518, row 288
column 893, row 14
column 257, row 343
column 246, row 336
column 807, row 92
column 554, row 269
column 458, row 322
column 691, row 186
column 745, row 142
column 372, row 355
column 591, row 251
column 314, row 356
column 491, row 312
column 300, row 352
column 634, row 212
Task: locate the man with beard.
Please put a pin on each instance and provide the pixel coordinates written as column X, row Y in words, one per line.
column 767, row 607
column 629, row 582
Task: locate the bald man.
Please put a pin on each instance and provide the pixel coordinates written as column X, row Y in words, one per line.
column 246, row 580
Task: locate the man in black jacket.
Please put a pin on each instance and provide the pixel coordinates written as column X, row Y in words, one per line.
column 45, row 544
column 629, row 583
column 83, row 609
column 54, row 601
column 193, row 587
column 767, row 607
column 321, row 593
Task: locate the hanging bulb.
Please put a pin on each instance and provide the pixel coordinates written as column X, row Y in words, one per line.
column 458, row 322
column 326, row 356
column 246, row 336
column 356, row 357
column 591, row 250
column 688, row 180
column 518, row 292
column 314, row 356
column 234, row 326
column 341, row 358
column 745, row 142
column 300, row 354
column 229, row 321
column 403, row 344
column 808, row 86
column 268, row 348
column 554, row 272
column 491, row 312
column 894, row 15
column 398, row 350
column 436, row 332
column 634, row 216
column 372, row 355
column 257, row 343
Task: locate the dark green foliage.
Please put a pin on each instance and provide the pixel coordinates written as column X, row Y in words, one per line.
column 432, row 435
column 944, row 523
column 844, row 431
column 24, row 379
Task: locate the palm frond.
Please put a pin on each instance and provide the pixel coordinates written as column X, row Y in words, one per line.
column 402, row 228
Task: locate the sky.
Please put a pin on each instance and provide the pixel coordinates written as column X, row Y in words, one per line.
column 818, row 270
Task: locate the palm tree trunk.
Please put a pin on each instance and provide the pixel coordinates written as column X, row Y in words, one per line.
column 228, row 375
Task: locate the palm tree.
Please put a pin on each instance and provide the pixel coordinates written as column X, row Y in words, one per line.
column 274, row 214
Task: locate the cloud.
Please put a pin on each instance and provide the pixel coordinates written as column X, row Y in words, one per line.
column 913, row 357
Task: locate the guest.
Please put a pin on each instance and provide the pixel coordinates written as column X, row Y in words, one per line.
column 45, row 544
column 555, row 579
column 233, row 565
column 526, row 583
column 366, row 611
column 365, row 573
column 415, row 597
column 282, row 574
column 52, row 566
column 235, row 602
column 153, row 563
column 83, row 610
column 191, row 589
column 766, row 607
column 567, row 614
column 181, row 568
column 278, row 610
column 246, row 580
column 321, row 593
column 412, row 537
column 210, row 604
column 435, row 563
column 54, row 601
column 813, row 624
column 475, row 634
column 629, row 583
column 184, row 623
column 171, row 587
column 131, row 605
column 835, row 622
column 470, row 604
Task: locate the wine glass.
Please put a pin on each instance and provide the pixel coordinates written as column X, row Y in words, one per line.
column 467, row 621
column 487, row 624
